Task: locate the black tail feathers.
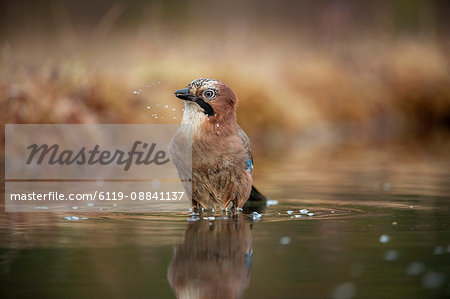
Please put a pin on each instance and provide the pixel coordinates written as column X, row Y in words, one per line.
column 255, row 195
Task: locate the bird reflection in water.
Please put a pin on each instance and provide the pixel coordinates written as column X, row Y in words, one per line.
column 213, row 260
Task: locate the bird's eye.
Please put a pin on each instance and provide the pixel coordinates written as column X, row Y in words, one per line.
column 209, row 94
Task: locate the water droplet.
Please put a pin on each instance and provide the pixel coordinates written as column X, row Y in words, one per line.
column 72, row 218
column 438, row 250
column 304, row 211
column 384, row 238
column 166, row 106
column 298, row 216
column 289, row 212
column 415, row 268
column 256, row 216
column 155, row 184
column 344, row 291
column 271, row 202
column 148, row 107
column 173, row 109
column 433, row 280
column 217, row 125
column 174, row 117
column 391, row 255
column 90, row 204
column 135, row 92
column 41, row 208
column 310, row 214
column 285, row 240
column 75, row 208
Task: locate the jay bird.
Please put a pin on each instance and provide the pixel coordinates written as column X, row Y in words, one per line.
column 222, row 162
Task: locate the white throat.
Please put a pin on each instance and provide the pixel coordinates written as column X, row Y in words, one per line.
column 193, row 115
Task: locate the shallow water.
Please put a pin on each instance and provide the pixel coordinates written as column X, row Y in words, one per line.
column 379, row 228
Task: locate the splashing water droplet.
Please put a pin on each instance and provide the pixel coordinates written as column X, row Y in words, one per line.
column 256, row 216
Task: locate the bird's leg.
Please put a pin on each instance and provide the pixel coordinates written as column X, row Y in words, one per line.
column 234, row 206
column 196, row 207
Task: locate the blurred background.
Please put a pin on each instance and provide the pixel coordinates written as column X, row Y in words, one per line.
column 310, row 75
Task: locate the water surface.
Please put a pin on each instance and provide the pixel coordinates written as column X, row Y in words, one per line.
column 376, row 226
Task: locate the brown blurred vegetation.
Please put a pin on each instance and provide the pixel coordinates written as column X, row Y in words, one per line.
column 307, row 73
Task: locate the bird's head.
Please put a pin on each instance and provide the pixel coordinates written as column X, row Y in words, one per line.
column 208, row 97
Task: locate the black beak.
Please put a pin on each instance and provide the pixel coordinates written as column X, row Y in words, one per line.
column 185, row 95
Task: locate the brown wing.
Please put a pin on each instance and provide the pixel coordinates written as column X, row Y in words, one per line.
column 246, row 143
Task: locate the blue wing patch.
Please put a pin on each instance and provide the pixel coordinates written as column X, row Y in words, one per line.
column 248, row 258
column 249, row 165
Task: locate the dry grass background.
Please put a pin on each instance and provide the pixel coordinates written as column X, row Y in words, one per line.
column 332, row 82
